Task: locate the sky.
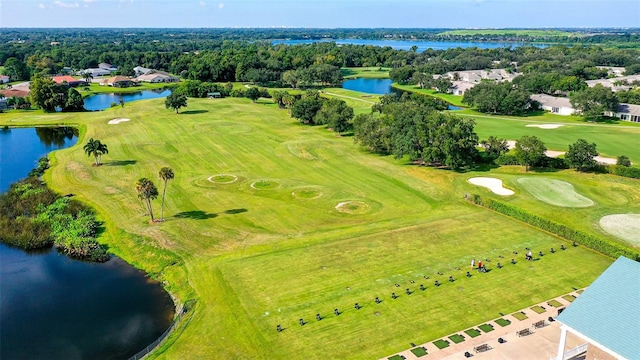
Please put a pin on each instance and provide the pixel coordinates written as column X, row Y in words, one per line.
column 320, row 13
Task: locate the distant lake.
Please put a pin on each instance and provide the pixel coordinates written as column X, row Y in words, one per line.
column 103, row 101
column 407, row 44
column 53, row 307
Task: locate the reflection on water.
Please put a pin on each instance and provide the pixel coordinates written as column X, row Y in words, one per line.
column 104, row 101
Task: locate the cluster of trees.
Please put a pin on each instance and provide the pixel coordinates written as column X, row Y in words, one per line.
column 49, row 96
column 408, row 126
column 32, row 216
column 592, row 102
column 147, row 191
column 499, row 98
column 312, row 109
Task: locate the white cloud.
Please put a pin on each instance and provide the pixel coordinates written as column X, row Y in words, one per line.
column 221, row 6
column 65, row 4
column 202, row 3
column 89, row 1
column 41, row 6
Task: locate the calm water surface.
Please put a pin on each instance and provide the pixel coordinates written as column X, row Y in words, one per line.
column 52, row 307
column 103, row 101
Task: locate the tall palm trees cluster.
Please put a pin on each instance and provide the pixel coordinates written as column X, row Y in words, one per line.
column 145, row 188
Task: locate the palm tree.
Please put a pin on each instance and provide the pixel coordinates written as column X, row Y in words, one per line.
column 97, row 149
column 147, row 191
column 87, row 77
column 165, row 174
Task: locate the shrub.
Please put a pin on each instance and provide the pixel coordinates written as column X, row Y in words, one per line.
column 623, row 161
column 507, row 159
column 630, row 172
column 604, row 246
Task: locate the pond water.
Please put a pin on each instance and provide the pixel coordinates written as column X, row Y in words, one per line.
column 104, row 101
column 377, row 86
column 407, row 44
column 52, row 307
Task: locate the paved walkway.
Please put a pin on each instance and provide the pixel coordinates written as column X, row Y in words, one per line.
column 541, row 344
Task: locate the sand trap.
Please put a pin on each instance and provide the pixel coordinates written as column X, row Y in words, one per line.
column 118, row 121
column 545, row 126
column 493, row 184
column 623, row 226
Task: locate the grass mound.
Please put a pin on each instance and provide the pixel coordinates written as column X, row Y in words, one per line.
column 520, row 316
column 456, row 338
column 265, row 185
column 223, row 178
column 353, row 207
column 554, row 192
column 503, row 322
column 472, row 333
column 307, row 193
column 441, row 344
column 538, row 309
column 486, row 327
column 623, row 226
column 555, row 303
column 419, row 351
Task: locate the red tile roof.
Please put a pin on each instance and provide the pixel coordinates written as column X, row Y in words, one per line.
column 14, row 92
column 63, row 78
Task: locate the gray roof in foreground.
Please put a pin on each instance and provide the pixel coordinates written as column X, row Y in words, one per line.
column 608, row 311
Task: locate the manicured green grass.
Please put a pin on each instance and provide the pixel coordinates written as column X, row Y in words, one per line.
column 538, row 309
column 454, row 100
column 456, row 338
column 554, row 192
column 395, row 357
column 359, row 101
column 503, row 322
column 622, row 226
column 486, row 327
column 441, row 344
column 419, row 351
column 555, row 303
column 472, row 332
column 569, row 298
column 101, row 89
column 371, row 72
column 256, row 258
column 520, row 316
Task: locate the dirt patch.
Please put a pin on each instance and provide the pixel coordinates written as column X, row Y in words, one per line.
column 117, row 121
column 493, row 184
column 623, row 226
column 78, row 170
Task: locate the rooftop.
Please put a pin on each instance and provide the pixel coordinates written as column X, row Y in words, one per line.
column 608, row 312
column 552, row 101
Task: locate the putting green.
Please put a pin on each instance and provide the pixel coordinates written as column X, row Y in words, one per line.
column 554, row 192
column 623, row 226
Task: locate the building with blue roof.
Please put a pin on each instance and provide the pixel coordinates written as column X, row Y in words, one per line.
column 607, row 314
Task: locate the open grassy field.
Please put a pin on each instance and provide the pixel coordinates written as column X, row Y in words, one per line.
column 372, row 72
column 454, row 100
column 269, row 221
column 517, row 32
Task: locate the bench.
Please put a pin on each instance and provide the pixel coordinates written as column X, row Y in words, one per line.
column 539, row 324
column 481, row 348
column 524, row 332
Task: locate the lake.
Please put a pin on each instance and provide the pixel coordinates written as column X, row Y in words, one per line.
column 104, row 101
column 53, row 307
column 407, row 44
column 376, row 86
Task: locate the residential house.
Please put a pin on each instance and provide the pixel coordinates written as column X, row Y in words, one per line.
column 157, row 77
column 4, row 79
column 554, row 105
column 139, row 70
column 613, row 70
column 106, row 66
column 606, row 315
column 475, row 76
column 94, row 72
column 119, row 81
column 15, row 92
column 3, row 104
column 618, row 83
column 69, row 80
column 626, row 112
column 460, row 87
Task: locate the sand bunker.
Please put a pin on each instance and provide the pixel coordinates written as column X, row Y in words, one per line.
column 223, row 178
column 623, row 226
column 118, row 121
column 352, row 207
column 545, row 126
column 493, row 184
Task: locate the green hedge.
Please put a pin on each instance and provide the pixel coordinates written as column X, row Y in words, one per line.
column 626, row 171
column 604, row 246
